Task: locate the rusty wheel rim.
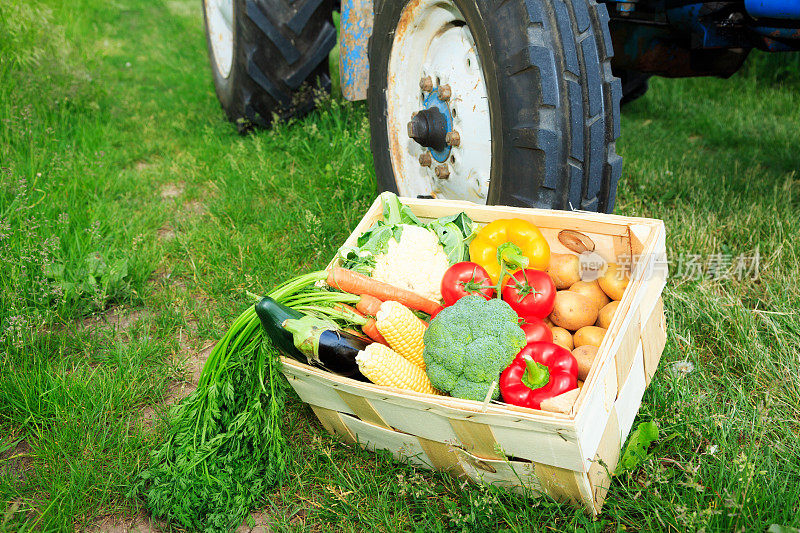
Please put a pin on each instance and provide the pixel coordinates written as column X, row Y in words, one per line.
column 434, row 63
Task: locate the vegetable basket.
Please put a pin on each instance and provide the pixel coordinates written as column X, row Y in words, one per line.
column 568, row 451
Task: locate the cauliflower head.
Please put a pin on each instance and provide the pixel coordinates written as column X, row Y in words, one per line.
column 416, row 263
column 469, row 343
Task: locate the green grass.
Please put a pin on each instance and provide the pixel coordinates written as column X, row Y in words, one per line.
column 123, row 187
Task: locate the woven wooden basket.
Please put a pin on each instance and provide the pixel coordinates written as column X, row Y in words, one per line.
column 567, row 452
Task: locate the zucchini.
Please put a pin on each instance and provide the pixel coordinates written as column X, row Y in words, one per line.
column 273, row 315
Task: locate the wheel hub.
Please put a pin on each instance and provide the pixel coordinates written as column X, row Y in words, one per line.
column 430, row 126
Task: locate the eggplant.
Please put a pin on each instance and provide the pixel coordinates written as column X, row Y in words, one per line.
column 326, row 346
column 273, row 315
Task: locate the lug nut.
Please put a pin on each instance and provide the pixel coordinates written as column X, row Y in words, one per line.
column 442, row 172
column 425, row 159
column 452, row 138
column 444, row 92
column 411, row 126
column 426, row 84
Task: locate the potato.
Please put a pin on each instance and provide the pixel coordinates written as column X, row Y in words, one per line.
column 564, row 269
column 592, row 290
column 580, row 384
column 572, row 311
column 614, row 281
column 585, row 356
column 607, row 314
column 588, row 336
column 562, row 337
column 548, row 322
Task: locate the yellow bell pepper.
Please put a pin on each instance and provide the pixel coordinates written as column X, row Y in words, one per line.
column 516, row 242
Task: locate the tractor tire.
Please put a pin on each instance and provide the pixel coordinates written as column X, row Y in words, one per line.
column 274, row 58
column 634, row 85
column 553, row 102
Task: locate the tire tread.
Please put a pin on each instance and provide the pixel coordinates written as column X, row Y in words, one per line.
column 280, row 47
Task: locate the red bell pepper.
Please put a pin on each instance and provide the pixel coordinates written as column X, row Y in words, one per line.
column 540, row 371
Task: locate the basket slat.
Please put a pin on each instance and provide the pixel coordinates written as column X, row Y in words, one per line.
column 313, row 394
column 363, row 409
column 427, row 424
column 441, row 456
column 402, row 446
column 592, row 419
column 605, row 460
column 332, row 422
column 630, row 395
column 546, row 448
column 654, row 337
column 476, row 438
column 510, row 474
column 559, row 483
column 543, row 218
column 630, row 340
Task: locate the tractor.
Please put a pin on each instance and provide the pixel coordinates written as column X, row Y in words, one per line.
column 512, row 102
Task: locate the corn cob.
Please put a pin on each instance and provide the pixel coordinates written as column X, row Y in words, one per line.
column 402, row 330
column 383, row 366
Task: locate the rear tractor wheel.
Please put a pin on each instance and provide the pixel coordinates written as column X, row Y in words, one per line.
column 268, row 57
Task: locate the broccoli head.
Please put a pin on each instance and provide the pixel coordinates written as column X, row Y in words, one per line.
column 468, row 344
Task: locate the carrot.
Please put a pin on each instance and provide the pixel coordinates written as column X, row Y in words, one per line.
column 369, row 305
column 355, row 283
column 372, row 331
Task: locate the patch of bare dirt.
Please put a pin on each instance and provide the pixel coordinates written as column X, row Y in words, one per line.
column 166, row 233
column 196, row 207
column 137, row 524
column 170, row 191
column 117, row 318
column 15, row 461
column 193, row 365
column 260, row 521
column 163, row 276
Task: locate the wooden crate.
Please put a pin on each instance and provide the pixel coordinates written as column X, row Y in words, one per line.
column 568, row 455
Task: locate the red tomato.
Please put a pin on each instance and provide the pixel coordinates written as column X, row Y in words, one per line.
column 466, row 278
column 530, row 293
column 536, row 331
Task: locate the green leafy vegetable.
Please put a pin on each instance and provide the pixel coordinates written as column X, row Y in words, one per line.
column 394, row 212
column 464, row 224
column 453, row 231
column 224, row 447
column 638, row 443
column 469, row 344
column 452, row 241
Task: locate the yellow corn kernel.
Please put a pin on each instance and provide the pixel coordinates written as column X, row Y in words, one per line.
column 383, row 366
column 402, row 330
